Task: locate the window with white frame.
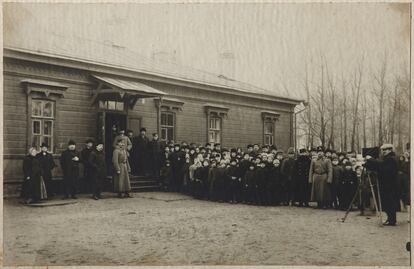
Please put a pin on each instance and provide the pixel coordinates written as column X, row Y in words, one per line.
column 43, row 116
column 269, row 132
column 214, row 130
column 167, row 126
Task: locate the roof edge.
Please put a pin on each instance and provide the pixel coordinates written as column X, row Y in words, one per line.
column 12, row 52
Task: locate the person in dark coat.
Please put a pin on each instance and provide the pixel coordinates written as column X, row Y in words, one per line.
column 47, row 164
column 404, row 178
column 249, row 183
column 348, row 185
column 337, row 170
column 177, row 159
column 387, row 170
column 300, row 177
column 87, row 169
column 140, row 146
column 201, row 178
column 274, row 189
column 97, row 164
column 287, row 172
column 155, row 158
column 69, row 162
column 234, row 178
column 166, row 176
column 33, row 189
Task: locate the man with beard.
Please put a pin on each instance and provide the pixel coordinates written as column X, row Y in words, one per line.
column 46, row 164
column 387, row 170
column 300, row 177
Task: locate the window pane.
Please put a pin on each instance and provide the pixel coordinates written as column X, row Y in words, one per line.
column 170, row 118
column 163, row 134
column 48, row 109
column 212, row 124
column 163, row 119
column 218, row 137
column 170, row 134
column 36, row 127
column 268, row 128
column 36, row 108
column 48, row 141
column 36, row 141
column 48, row 127
column 218, row 121
column 211, row 137
column 111, row 105
column 120, row 106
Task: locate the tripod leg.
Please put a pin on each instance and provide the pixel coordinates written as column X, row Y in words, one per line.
column 350, row 205
column 379, row 202
column 375, row 201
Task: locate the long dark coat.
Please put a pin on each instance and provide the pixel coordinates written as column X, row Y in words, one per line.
column 47, row 164
column 155, row 156
column 300, row 178
column 32, row 186
column 387, row 170
column 70, row 170
column 97, row 164
column 140, row 158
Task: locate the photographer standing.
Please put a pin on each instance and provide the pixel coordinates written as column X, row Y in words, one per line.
column 387, row 170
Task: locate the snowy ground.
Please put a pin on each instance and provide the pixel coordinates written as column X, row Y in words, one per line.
column 172, row 229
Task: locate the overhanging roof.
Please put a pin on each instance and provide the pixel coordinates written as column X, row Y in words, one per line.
column 131, row 87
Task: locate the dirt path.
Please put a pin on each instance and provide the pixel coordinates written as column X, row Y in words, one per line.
column 173, row 229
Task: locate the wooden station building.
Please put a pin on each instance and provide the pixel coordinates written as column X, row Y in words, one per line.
column 53, row 96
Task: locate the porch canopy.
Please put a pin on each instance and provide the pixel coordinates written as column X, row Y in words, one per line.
column 128, row 91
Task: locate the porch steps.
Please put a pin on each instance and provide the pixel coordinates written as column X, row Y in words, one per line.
column 143, row 183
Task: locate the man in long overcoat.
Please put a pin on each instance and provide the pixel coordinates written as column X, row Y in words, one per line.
column 300, row 178
column 387, row 170
column 155, row 155
column 97, row 164
column 320, row 175
column 69, row 162
column 140, row 146
column 122, row 183
column 47, row 164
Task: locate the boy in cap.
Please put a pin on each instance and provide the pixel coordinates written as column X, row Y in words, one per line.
column 69, row 161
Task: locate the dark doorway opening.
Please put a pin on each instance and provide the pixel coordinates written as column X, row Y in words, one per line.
column 114, row 122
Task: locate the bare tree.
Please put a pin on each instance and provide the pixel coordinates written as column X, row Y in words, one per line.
column 379, row 92
column 356, row 87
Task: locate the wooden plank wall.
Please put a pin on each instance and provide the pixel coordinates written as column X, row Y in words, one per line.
column 76, row 117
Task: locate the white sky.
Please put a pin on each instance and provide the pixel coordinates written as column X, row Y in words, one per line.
column 270, row 42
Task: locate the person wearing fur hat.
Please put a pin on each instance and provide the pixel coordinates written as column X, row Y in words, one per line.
column 320, row 176
column 300, row 177
column 249, row 184
column 69, row 162
column 122, row 184
column 387, row 170
column 33, row 189
column 337, row 171
column 177, row 162
column 274, row 188
column 47, row 164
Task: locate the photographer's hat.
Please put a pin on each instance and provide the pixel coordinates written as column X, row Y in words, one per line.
column 387, row 146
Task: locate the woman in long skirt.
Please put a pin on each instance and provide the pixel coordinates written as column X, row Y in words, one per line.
column 122, row 184
column 33, row 189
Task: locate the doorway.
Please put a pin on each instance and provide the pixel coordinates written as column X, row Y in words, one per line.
column 109, row 124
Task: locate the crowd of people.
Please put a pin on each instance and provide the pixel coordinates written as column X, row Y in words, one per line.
column 258, row 175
